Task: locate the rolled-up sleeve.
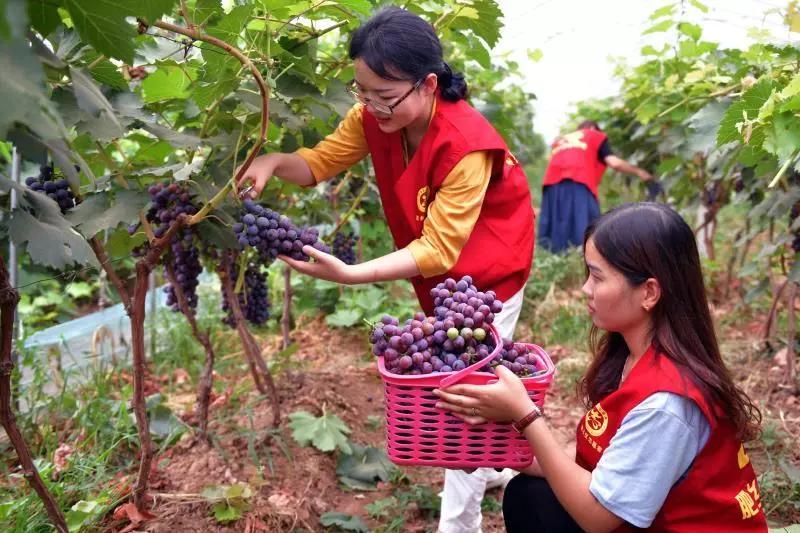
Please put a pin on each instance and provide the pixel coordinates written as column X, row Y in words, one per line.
column 340, row 150
column 452, row 215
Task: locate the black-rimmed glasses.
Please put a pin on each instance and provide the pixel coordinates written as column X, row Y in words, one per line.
column 386, row 109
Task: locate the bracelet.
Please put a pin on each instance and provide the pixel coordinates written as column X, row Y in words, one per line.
column 527, row 420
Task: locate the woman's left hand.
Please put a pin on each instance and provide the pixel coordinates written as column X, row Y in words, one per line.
column 502, row 401
column 322, row 266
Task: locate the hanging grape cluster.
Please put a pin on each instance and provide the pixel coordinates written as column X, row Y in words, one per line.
column 273, row 234
column 253, row 299
column 56, row 189
column 344, row 247
column 167, row 202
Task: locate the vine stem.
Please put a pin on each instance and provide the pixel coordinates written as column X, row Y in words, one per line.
column 206, row 381
column 351, row 210
column 9, row 298
column 791, row 336
column 251, row 346
column 263, row 89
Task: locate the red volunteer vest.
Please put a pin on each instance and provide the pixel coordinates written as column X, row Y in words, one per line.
column 574, row 156
column 499, row 251
column 719, row 492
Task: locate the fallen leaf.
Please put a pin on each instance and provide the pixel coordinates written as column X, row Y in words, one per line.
column 128, row 511
column 61, row 457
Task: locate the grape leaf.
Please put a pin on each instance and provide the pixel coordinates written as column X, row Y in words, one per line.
column 102, row 23
column 168, row 82
column 359, row 6
column 43, row 15
column 343, row 318
column 704, row 124
column 91, row 100
column 99, row 212
column 50, row 239
column 22, row 97
column 783, row 137
column 363, row 468
column 662, row 26
column 163, row 422
column 343, row 521
column 325, row 433
column 224, row 513
column 175, row 138
column 481, row 17
column 693, row 31
column 204, row 10
column 750, row 103
column 664, row 11
column 108, row 73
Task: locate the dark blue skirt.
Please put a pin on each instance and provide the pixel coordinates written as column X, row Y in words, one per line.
column 567, row 208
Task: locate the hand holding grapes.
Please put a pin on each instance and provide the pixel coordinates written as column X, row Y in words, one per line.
column 325, row 266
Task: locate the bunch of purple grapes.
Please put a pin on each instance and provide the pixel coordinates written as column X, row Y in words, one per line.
column 187, row 268
column 167, row 202
column 344, row 247
column 518, row 358
column 254, row 298
column 454, row 338
column 273, row 234
column 56, row 189
column 793, row 215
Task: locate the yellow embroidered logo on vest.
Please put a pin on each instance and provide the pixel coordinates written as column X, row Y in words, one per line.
column 422, row 204
column 596, row 421
column 570, row 140
column 744, row 460
column 749, row 500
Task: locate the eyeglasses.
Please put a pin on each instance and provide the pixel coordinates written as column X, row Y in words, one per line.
column 387, row 109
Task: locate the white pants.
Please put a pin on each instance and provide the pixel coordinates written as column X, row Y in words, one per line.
column 463, row 493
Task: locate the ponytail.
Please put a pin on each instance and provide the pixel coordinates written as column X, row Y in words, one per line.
column 452, row 86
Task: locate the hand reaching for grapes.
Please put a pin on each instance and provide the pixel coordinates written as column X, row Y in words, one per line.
column 258, row 173
column 325, row 266
column 288, row 167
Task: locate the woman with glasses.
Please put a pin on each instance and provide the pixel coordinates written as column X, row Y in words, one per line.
column 456, row 201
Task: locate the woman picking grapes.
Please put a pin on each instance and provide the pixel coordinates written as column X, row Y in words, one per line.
column 661, row 447
column 456, row 201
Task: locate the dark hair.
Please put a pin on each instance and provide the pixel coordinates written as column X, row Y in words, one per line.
column 650, row 240
column 589, row 125
column 399, row 45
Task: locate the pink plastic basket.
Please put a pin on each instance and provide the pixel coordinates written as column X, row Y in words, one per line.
column 419, row 434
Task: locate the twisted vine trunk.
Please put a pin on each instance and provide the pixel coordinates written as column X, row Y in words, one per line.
column 286, row 319
column 9, row 298
column 251, row 348
column 206, row 381
column 135, row 308
column 791, row 364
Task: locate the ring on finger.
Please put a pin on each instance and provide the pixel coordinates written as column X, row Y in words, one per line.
column 474, row 412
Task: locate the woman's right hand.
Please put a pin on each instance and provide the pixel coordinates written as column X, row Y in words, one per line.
column 258, row 173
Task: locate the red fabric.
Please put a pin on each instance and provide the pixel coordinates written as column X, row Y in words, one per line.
column 720, row 491
column 499, row 251
column 574, row 156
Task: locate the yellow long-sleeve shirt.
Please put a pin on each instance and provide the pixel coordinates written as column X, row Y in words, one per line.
column 453, row 212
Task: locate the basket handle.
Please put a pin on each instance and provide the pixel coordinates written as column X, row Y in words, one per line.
column 455, row 377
